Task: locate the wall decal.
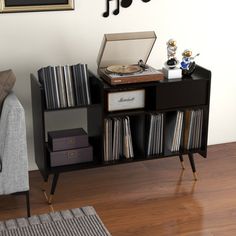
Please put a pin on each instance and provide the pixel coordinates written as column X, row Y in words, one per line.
column 35, row 5
column 122, row 3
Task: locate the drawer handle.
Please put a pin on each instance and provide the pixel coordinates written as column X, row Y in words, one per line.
column 71, row 155
column 71, row 141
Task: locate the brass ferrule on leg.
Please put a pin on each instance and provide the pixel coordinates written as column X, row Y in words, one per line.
column 183, row 165
column 50, row 199
column 51, row 208
column 44, row 186
column 45, row 195
column 195, row 176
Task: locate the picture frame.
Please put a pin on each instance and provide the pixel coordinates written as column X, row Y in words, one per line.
column 7, row 6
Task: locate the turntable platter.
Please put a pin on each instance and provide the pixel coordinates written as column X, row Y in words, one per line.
column 123, row 69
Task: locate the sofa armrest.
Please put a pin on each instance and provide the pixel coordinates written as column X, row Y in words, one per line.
column 13, row 147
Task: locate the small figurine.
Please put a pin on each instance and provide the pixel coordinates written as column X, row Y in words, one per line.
column 171, row 69
column 188, row 64
column 171, row 51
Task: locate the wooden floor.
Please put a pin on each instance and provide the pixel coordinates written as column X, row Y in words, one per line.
column 151, row 198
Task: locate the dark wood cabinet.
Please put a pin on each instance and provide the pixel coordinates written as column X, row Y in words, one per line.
column 166, row 97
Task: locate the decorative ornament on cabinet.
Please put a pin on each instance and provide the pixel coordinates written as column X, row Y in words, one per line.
column 188, row 64
column 171, row 68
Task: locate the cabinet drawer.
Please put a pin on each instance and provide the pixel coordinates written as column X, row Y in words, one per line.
column 126, row 100
column 181, row 94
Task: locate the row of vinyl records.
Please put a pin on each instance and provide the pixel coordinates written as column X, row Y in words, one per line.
column 65, row 86
column 118, row 140
column 190, row 120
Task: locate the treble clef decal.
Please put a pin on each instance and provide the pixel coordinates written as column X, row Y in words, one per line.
column 122, row 3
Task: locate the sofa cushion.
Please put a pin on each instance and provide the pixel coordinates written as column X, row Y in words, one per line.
column 13, row 147
column 7, row 81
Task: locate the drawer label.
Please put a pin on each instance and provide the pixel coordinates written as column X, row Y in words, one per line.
column 126, row 100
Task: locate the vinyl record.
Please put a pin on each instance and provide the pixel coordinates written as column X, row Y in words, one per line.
column 123, row 69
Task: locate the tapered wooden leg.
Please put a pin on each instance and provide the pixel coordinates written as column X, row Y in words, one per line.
column 49, row 199
column 190, row 156
column 182, row 161
column 53, row 188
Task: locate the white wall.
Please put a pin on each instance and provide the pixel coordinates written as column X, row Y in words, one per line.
column 29, row 41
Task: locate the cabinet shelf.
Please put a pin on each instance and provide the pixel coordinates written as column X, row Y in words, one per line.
column 74, row 167
column 125, row 113
column 180, row 108
column 93, row 164
column 71, row 108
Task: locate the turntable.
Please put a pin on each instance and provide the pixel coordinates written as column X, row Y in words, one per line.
column 122, row 58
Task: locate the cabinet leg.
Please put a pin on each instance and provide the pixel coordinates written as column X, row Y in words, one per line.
column 44, row 189
column 182, row 161
column 190, row 156
column 53, row 188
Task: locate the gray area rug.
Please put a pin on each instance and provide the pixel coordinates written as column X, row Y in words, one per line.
column 80, row 221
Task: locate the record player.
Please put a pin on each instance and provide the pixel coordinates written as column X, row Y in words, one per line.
column 122, row 58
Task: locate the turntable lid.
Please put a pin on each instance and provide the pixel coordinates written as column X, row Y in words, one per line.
column 125, row 48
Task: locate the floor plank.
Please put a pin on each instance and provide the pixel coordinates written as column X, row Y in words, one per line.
column 149, row 198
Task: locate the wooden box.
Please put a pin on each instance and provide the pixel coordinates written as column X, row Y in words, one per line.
column 69, row 157
column 67, row 139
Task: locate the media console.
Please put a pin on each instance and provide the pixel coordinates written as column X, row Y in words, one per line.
column 167, row 97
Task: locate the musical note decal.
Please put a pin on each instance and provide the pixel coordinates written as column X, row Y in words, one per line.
column 122, row 3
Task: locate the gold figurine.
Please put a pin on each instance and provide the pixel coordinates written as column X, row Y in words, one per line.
column 171, row 68
column 171, row 54
column 171, row 49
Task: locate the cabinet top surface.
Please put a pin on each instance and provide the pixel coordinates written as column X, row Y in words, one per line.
column 199, row 74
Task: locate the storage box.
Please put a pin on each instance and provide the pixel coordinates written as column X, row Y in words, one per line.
column 69, row 157
column 67, row 139
column 133, row 99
